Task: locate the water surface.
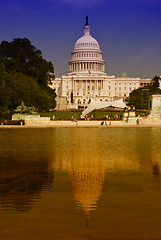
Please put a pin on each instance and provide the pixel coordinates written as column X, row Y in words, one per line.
column 77, row 184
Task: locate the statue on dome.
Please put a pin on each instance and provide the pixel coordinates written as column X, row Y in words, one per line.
column 87, row 21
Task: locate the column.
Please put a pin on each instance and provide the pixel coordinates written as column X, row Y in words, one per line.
column 103, row 67
column 96, row 84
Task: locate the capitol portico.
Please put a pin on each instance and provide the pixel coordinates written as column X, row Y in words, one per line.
column 87, row 78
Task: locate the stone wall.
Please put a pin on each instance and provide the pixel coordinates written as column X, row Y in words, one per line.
column 37, row 120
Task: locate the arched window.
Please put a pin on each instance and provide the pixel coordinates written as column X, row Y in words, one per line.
column 84, row 101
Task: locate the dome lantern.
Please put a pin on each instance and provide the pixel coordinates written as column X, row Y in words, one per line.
column 87, row 28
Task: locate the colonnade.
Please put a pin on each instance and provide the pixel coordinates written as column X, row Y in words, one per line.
column 87, row 85
column 80, row 66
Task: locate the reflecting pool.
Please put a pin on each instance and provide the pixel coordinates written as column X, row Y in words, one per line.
column 80, row 183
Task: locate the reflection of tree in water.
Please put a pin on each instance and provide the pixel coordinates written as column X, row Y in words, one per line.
column 21, row 182
column 156, row 169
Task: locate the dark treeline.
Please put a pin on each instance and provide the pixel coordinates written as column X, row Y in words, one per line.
column 140, row 98
column 24, row 76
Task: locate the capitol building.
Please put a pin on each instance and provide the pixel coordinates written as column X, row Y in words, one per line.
column 87, row 78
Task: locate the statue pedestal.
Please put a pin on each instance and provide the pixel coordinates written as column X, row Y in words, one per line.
column 129, row 117
column 125, row 117
column 20, row 116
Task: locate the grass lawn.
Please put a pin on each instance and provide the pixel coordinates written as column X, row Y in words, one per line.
column 67, row 115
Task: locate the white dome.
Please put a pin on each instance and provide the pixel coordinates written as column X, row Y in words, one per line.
column 86, row 41
column 86, row 56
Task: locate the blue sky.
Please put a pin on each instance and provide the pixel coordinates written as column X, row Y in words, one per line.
column 128, row 31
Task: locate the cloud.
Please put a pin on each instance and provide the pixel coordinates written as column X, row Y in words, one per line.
column 147, row 53
column 93, row 3
column 80, row 3
column 144, row 1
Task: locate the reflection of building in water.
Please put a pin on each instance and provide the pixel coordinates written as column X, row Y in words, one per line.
column 87, row 187
column 21, row 182
column 87, row 155
column 87, row 177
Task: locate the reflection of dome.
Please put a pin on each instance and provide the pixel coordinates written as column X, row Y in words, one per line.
column 87, row 178
column 87, row 188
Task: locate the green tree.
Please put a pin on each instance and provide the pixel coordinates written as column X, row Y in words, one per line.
column 2, row 74
column 20, row 87
column 24, row 76
column 140, row 98
column 20, row 56
column 155, row 82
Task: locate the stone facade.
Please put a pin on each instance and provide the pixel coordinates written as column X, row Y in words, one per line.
column 87, row 78
column 156, row 105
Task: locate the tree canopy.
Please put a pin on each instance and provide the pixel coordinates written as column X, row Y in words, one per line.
column 20, row 56
column 140, row 98
column 24, row 76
